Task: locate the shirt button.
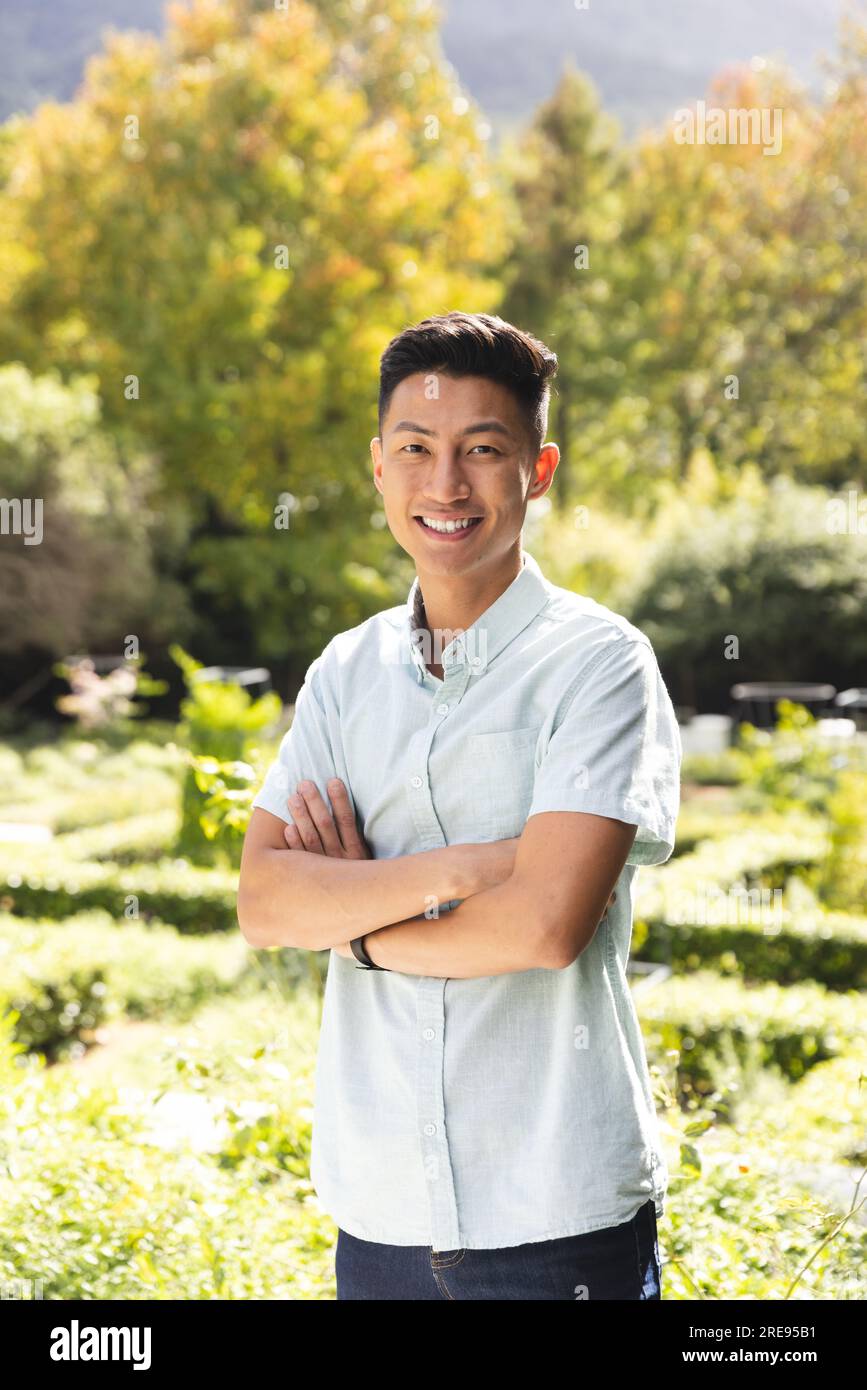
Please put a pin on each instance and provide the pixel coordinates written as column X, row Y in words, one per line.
column 442, row 709
column 430, row 1129
column 416, row 782
column 428, row 1034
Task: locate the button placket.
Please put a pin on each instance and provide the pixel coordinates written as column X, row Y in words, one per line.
column 432, row 1131
column 421, row 806
column 433, row 1136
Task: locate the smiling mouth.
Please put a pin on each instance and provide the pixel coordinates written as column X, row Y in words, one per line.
column 456, row 530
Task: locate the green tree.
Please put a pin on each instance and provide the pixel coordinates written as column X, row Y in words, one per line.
column 724, row 307
column 758, row 564
column 567, row 177
column 239, row 216
column 93, row 572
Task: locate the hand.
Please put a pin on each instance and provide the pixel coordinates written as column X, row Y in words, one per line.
column 344, row 949
column 318, row 830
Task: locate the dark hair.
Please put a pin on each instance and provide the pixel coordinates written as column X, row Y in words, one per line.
column 474, row 345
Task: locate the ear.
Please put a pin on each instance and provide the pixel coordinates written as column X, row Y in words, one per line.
column 544, row 469
column 376, row 455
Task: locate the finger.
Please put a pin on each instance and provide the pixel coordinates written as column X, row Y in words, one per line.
column 344, row 819
column 304, row 824
column 320, row 815
column 292, row 838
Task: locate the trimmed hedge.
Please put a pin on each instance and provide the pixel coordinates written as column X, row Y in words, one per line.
column 676, row 905
column 826, row 1121
column 710, row 1020
column 127, row 841
column 65, row 979
column 830, row 948
column 70, row 782
column 49, row 884
column 700, row 820
column 193, row 899
column 752, row 856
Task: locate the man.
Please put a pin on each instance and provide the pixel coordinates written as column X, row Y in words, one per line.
column 484, row 1125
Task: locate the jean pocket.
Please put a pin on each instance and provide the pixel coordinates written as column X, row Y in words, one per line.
column 445, row 1259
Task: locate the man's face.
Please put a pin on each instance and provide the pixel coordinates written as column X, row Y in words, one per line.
column 465, row 454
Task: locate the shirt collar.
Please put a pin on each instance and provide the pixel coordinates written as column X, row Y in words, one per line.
column 493, row 630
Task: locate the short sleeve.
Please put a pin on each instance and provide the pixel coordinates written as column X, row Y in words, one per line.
column 305, row 752
column 617, row 751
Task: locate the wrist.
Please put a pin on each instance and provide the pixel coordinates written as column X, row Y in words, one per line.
column 359, row 949
column 375, row 954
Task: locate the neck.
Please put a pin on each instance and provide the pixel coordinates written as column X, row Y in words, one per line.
column 454, row 602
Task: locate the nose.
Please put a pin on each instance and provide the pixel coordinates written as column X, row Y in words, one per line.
column 446, row 481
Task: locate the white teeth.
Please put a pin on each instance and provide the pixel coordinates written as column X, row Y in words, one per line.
column 447, row 525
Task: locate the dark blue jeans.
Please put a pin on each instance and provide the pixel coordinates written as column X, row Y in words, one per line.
column 620, row 1262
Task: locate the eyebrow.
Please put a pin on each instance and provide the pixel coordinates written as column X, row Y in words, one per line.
column 483, row 427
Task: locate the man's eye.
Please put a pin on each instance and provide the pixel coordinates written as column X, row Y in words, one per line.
column 490, row 448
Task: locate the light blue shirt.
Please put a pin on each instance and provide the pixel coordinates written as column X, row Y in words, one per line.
column 493, row 1111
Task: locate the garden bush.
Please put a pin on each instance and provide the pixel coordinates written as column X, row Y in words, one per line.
column 105, row 1196
column 191, row 898
column 220, row 720
column 706, row 1018
column 64, row 979
column 128, row 841
column 830, row 948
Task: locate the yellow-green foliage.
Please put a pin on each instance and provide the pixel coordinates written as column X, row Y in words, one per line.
column 192, row 1187
column 219, row 720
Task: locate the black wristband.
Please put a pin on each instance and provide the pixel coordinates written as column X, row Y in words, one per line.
column 361, row 955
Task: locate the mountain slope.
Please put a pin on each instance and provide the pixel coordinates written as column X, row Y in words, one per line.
column 645, row 58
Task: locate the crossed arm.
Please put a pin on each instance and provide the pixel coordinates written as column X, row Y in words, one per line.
column 533, row 902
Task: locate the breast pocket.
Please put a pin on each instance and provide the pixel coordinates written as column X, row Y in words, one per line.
column 499, row 774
